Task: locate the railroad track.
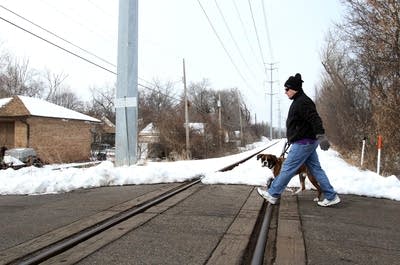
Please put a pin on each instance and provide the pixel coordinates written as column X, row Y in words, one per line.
column 57, row 246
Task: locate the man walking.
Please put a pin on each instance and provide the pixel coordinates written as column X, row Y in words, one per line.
column 304, row 131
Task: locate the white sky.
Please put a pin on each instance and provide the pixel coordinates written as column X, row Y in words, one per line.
column 344, row 178
column 175, row 29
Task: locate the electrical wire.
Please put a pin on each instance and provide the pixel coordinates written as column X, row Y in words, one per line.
column 199, row 109
column 80, row 57
column 58, row 46
column 267, row 31
column 258, row 38
column 244, row 29
column 99, row 34
column 159, row 92
column 57, row 36
column 101, row 9
column 196, row 107
column 233, row 38
column 222, row 43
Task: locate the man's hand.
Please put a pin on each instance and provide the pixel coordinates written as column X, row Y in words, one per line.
column 323, row 142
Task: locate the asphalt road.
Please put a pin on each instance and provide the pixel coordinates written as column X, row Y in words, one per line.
column 25, row 217
column 359, row 230
column 188, row 230
column 206, row 223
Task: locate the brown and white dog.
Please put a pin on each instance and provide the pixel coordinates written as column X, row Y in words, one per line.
column 274, row 163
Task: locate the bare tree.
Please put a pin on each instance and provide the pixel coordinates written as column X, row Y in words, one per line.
column 343, row 101
column 18, row 79
column 159, row 105
column 364, row 76
column 54, row 85
column 69, row 100
column 102, row 103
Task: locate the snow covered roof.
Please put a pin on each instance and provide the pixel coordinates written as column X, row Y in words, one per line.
column 150, row 128
column 42, row 108
column 108, row 122
column 197, row 126
column 4, row 101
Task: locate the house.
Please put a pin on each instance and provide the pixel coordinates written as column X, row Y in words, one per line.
column 56, row 133
column 197, row 127
column 104, row 133
column 149, row 134
column 149, row 143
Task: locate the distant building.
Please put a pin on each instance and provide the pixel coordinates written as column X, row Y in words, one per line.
column 197, row 127
column 149, row 134
column 149, row 143
column 104, row 133
column 56, row 133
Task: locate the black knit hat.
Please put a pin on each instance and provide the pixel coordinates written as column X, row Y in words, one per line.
column 294, row 82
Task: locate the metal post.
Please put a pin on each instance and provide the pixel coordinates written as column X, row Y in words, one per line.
column 219, row 120
column 240, row 119
column 271, row 94
column 186, row 113
column 378, row 163
column 363, row 150
column 270, row 127
column 126, row 94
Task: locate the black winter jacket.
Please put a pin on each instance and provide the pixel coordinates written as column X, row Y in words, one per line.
column 303, row 120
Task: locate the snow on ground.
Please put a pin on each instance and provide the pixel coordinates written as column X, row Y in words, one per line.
column 346, row 179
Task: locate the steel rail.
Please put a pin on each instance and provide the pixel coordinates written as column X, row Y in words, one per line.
column 57, row 248
column 63, row 245
column 258, row 254
column 230, row 167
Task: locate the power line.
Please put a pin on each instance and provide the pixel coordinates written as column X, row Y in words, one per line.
column 55, row 35
column 244, row 29
column 58, row 46
column 267, row 31
column 80, row 57
column 234, row 41
column 157, row 91
column 221, row 42
column 101, row 9
column 198, row 108
column 258, row 38
column 100, row 34
column 91, row 62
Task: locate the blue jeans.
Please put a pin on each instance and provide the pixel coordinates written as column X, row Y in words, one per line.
column 301, row 154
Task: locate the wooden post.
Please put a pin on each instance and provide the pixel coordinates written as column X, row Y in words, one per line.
column 186, row 113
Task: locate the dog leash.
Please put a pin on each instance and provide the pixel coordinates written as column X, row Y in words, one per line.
column 285, row 149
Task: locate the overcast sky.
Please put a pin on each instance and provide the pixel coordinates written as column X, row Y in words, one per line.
column 227, row 42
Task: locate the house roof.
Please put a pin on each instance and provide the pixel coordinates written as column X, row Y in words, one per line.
column 197, row 126
column 107, row 125
column 150, row 129
column 42, row 108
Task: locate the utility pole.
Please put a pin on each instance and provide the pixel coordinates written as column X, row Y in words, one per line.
column 271, row 94
column 186, row 113
column 240, row 119
column 279, row 119
column 126, row 94
column 219, row 120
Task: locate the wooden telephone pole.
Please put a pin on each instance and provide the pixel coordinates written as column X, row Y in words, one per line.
column 186, row 113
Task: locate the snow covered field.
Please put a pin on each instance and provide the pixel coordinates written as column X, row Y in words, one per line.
column 345, row 179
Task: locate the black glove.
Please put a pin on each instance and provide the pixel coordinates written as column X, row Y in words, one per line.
column 323, row 142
